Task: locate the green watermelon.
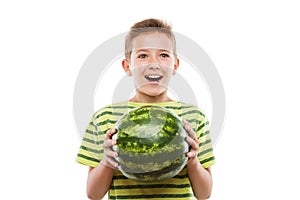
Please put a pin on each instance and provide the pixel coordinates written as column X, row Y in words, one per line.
column 151, row 144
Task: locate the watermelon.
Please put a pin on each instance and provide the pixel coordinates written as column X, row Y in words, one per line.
column 151, row 144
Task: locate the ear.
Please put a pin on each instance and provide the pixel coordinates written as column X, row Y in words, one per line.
column 126, row 67
column 176, row 65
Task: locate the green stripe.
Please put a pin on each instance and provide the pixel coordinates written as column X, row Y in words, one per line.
column 89, row 131
column 123, row 187
column 93, row 141
column 180, row 106
column 109, row 113
column 188, row 106
column 203, row 134
column 173, row 107
column 205, row 152
column 193, row 121
column 95, row 133
column 202, row 125
column 87, row 158
column 207, row 160
column 92, row 124
column 151, row 196
column 91, row 149
column 192, row 112
column 121, row 107
column 106, row 122
column 205, row 142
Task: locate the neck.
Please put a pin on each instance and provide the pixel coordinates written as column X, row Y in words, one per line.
column 143, row 98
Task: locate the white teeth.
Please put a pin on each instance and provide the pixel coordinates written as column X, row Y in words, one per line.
column 153, row 76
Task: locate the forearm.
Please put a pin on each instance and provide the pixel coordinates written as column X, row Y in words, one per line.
column 201, row 180
column 99, row 181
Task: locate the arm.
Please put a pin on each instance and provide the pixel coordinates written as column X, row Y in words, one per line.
column 200, row 177
column 96, row 189
column 100, row 177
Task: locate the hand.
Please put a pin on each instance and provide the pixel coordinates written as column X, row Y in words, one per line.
column 192, row 140
column 110, row 154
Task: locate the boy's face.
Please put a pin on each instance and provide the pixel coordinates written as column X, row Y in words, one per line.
column 152, row 63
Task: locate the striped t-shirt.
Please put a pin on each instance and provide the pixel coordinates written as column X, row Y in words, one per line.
column 178, row 187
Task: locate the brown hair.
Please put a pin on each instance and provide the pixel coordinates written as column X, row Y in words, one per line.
column 148, row 26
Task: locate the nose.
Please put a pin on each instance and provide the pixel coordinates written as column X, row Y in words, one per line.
column 154, row 66
column 154, row 62
column 153, row 59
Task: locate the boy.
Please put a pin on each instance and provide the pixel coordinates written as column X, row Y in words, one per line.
column 150, row 58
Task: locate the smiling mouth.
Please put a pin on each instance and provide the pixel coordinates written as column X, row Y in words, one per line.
column 153, row 77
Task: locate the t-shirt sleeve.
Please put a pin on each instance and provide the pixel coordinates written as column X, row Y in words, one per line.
column 91, row 149
column 205, row 152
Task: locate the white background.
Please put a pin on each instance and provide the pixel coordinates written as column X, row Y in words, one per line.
column 254, row 44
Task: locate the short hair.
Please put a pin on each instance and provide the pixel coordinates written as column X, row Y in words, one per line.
column 148, row 26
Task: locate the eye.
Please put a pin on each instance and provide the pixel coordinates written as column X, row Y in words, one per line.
column 142, row 55
column 164, row 55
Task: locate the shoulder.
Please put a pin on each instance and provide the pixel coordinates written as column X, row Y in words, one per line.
column 112, row 110
column 192, row 109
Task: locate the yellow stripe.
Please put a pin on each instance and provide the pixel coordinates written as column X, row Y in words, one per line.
column 131, row 182
column 145, row 191
column 90, row 145
column 168, row 181
column 204, row 138
column 91, row 154
column 207, row 155
column 209, row 164
column 86, row 162
column 204, row 147
column 97, row 138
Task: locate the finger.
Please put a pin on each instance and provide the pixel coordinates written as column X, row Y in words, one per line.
column 110, row 133
column 113, row 162
column 191, row 132
column 191, row 154
column 110, row 153
column 194, row 144
column 109, row 162
column 108, row 143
